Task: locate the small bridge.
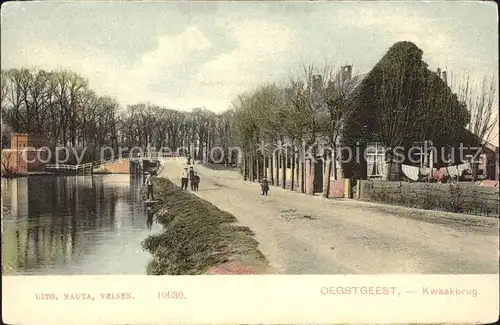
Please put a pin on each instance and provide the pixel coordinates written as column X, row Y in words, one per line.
column 136, row 159
column 83, row 169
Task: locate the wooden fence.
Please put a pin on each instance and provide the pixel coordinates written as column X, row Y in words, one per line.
column 460, row 197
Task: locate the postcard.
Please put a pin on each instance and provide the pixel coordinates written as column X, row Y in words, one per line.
column 240, row 162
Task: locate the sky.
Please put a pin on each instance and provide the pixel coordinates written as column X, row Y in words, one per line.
column 203, row 54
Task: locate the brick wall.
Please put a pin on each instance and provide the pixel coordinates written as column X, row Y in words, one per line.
column 337, row 188
column 18, row 140
column 23, row 140
column 463, row 197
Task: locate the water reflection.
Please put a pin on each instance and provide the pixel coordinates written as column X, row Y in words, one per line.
column 74, row 225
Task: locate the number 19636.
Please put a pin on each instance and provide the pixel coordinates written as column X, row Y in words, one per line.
column 171, row 295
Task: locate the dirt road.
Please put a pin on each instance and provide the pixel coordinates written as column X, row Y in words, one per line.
column 301, row 234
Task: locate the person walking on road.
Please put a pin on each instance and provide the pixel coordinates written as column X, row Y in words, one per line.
column 184, row 178
column 191, row 177
column 196, row 181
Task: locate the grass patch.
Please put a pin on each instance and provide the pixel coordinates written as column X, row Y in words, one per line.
column 197, row 235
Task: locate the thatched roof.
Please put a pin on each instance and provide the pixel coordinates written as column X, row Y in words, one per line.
column 364, row 126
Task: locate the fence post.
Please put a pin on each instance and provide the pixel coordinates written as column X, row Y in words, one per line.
column 358, row 189
column 347, row 188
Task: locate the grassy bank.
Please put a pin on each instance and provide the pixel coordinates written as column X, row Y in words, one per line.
column 197, row 235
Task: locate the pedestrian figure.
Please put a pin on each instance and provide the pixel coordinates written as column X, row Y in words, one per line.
column 264, row 186
column 191, row 177
column 184, row 179
column 149, row 184
column 196, row 181
column 189, row 160
column 150, row 218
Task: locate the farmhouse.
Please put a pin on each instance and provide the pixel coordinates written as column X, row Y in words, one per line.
column 427, row 147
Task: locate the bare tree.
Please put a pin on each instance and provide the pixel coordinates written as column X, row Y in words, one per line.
column 479, row 100
column 310, row 117
column 338, row 91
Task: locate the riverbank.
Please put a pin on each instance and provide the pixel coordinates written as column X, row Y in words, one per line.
column 17, row 175
column 199, row 238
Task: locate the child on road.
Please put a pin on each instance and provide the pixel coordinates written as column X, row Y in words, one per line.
column 191, row 177
column 196, row 181
column 264, row 185
column 184, row 179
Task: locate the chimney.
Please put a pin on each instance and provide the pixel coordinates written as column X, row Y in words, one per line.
column 444, row 77
column 346, row 72
column 438, row 72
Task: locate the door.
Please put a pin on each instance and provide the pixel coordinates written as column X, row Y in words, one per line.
column 318, row 176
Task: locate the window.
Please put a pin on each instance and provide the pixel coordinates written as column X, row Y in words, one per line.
column 375, row 160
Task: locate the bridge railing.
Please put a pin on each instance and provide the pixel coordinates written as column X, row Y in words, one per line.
column 60, row 166
column 153, row 154
column 69, row 167
column 96, row 164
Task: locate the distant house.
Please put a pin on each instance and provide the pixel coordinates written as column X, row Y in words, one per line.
column 26, row 154
column 488, row 167
column 490, row 162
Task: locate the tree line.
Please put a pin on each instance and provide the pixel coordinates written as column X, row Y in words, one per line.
column 61, row 106
column 275, row 125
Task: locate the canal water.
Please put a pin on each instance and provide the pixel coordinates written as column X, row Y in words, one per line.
column 74, row 225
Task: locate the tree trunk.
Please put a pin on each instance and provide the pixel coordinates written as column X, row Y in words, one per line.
column 388, row 166
column 277, row 159
column 245, row 174
column 292, row 185
column 334, row 158
column 253, row 167
column 301, row 172
column 310, row 179
column 474, row 171
column 271, row 169
column 258, row 169
column 265, row 165
column 283, row 170
column 328, row 171
column 250, row 167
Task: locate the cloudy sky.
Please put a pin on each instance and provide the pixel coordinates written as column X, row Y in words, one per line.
column 203, row 54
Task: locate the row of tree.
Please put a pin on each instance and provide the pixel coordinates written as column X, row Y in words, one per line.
column 399, row 102
column 61, row 106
